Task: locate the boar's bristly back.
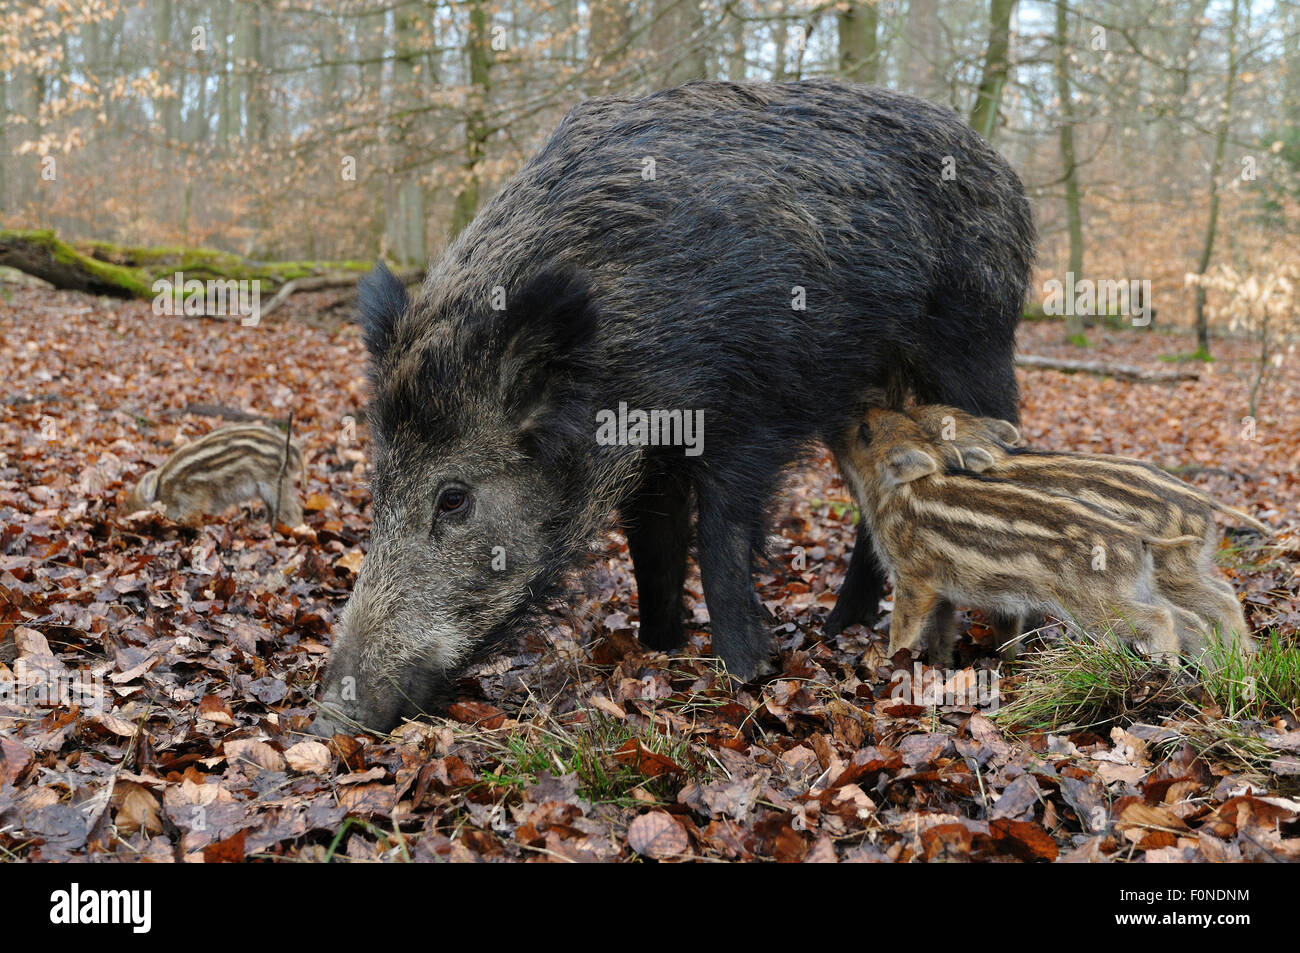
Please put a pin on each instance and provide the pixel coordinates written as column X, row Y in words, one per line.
column 381, row 302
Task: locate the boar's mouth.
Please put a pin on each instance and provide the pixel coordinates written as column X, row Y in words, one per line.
column 421, row 690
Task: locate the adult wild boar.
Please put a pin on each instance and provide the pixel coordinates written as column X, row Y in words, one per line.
column 761, row 254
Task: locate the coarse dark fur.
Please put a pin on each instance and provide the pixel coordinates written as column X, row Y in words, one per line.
column 668, row 290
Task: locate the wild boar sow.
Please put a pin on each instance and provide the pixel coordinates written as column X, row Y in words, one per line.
column 672, row 301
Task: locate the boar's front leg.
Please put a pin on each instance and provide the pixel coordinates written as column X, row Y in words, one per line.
column 864, row 584
column 657, row 521
column 726, row 545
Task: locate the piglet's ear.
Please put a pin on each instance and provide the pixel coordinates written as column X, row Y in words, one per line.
column 976, row 459
column 904, row 466
column 381, row 302
column 1003, row 431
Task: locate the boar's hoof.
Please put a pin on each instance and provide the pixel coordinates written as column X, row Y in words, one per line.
column 742, row 673
column 845, row 614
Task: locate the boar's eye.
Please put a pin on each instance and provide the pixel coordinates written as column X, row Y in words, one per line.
column 451, row 501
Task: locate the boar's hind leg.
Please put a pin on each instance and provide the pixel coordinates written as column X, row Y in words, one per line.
column 726, row 547
column 657, row 521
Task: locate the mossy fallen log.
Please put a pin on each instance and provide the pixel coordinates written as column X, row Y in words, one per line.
column 210, row 263
column 130, row 271
column 41, row 253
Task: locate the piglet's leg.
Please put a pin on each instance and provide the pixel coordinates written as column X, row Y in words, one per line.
column 1007, row 630
column 1156, row 627
column 915, row 602
column 940, row 633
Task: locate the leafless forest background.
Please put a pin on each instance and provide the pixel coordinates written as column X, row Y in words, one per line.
column 1159, row 139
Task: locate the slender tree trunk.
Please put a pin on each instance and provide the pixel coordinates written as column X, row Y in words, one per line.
column 681, row 55
column 921, row 35
column 407, row 228
column 4, row 142
column 1292, row 57
column 736, row 69
column 170, row 107
column 1070, row 172
column 610, row 21
column 859, row 47
column 476, row 131
column 1172, row 136
column 984, row 115
column 780, row 39
column 1216, row 169
column 263, row 52
column 225, row 84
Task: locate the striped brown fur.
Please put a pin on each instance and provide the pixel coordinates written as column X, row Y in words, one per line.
column 222, row 468
column 957, row 537
column 1163, row 505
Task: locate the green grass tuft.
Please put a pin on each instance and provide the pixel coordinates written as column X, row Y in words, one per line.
column 1253, row 686
column 1084, row 682
column 586, row 749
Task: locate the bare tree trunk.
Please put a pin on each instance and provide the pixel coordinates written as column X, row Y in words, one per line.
column 736, row 69
column 859, row 47
column 920, row 70
column 780, row 39
column 984, row 115
column 1292, row 56
column 4, row 144
column 225, row 84
column 610, row 21
column 1216, row 169
column 406, row 214
column 171, row 107
column 476, row 131
column 1073, row 212
column 681, row 57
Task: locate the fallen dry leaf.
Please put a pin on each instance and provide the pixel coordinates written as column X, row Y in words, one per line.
column 658, row 835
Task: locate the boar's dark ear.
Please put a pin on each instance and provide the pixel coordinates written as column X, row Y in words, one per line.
column 550, row 329
column 381, row 302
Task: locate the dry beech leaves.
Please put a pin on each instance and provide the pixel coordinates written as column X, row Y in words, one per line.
column 205, row 647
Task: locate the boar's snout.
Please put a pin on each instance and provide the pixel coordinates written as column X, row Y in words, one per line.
column 367, row 686
column 352, row 701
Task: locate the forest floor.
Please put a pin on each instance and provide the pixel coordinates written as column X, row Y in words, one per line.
column 195, row 652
